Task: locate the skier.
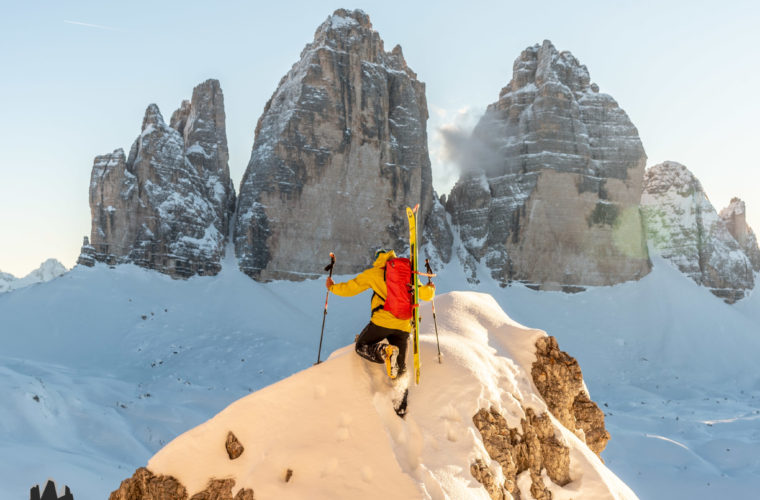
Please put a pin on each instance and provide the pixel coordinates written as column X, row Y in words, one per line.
column 383, row 325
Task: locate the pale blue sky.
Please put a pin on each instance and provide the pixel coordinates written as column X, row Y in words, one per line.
column 686, row 72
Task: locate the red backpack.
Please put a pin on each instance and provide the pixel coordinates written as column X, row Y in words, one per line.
column 398, row 281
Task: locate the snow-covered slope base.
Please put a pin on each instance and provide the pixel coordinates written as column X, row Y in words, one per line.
column 100, row 368
column 335, row 428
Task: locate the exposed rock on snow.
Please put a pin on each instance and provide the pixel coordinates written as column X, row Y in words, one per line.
column 168, row 205
column 48, row 270
column 476, row 416
column 484, row 476
column 533, row 448
column 234, row 448
column 340, row 150
column 683, row 226
column 558, row 378
column 551, row 196
column 144, row 485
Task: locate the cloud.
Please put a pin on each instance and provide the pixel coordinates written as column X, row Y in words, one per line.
column 454, row 150
column 96, row 26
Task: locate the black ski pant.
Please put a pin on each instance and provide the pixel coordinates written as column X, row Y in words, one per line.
column 368, row 344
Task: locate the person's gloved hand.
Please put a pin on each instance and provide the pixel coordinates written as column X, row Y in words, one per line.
column 329, row 282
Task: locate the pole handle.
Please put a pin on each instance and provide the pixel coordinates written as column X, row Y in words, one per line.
column 329, row 267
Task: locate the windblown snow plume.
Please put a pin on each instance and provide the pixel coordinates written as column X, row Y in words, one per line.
column 485, row 422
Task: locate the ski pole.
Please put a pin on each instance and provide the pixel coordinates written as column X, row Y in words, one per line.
column 432, row 302
column 328, row 267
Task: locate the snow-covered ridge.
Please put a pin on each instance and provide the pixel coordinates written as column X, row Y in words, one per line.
column 48, row 270
column 331, row 431
column 155, row 356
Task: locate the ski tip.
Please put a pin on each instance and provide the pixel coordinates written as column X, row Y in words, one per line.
column 416, row 207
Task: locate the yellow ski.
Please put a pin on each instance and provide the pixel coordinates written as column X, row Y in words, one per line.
column 411, row 214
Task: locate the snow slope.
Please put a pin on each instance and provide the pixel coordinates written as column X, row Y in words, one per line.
column 331, row 424
column 673, row 367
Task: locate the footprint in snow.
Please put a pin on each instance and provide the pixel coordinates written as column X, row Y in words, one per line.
column 319, row 391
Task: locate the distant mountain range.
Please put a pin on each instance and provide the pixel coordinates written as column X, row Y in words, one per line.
column 48, row 270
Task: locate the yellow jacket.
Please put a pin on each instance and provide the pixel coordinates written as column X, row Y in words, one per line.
column 374, row 278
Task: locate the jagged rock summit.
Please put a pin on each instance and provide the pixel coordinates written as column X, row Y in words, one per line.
column 684, row 227
column 340, row 150
column 735, row 218
column 168, row 205
column 507, row 412
column 551, row 197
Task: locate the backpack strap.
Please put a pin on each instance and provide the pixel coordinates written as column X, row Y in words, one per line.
column 374, row 293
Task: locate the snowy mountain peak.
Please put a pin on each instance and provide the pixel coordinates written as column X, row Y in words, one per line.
column 541, row 200
column 48, row 270
column 343, row 18
column 168, row 205
column 671, row 175
column 543, row 63
column 476, row 424
column 343, row 28
column 152, row 118
column 684, row 227
column 347, row 111
column 735, row 207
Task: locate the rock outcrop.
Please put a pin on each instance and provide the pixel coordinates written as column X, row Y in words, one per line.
column 532, row 448
column 144, row 485
column 168, row 204
column 559, row 380
column 233, row 446
column 535, row 446
column 339, row 151
column 550, row 196
column 683, row 227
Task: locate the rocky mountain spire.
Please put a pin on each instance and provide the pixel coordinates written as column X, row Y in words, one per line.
column 339, row 151
column 735, row 218
column 166, row 206
column 550, row 194
column 683, row 227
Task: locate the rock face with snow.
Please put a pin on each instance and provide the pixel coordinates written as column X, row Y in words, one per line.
column 683, row 226
column 168, row 204
column 475, row 425
column 339, row 151
column 48, row 270
column 735, row 218
column 552, row 196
